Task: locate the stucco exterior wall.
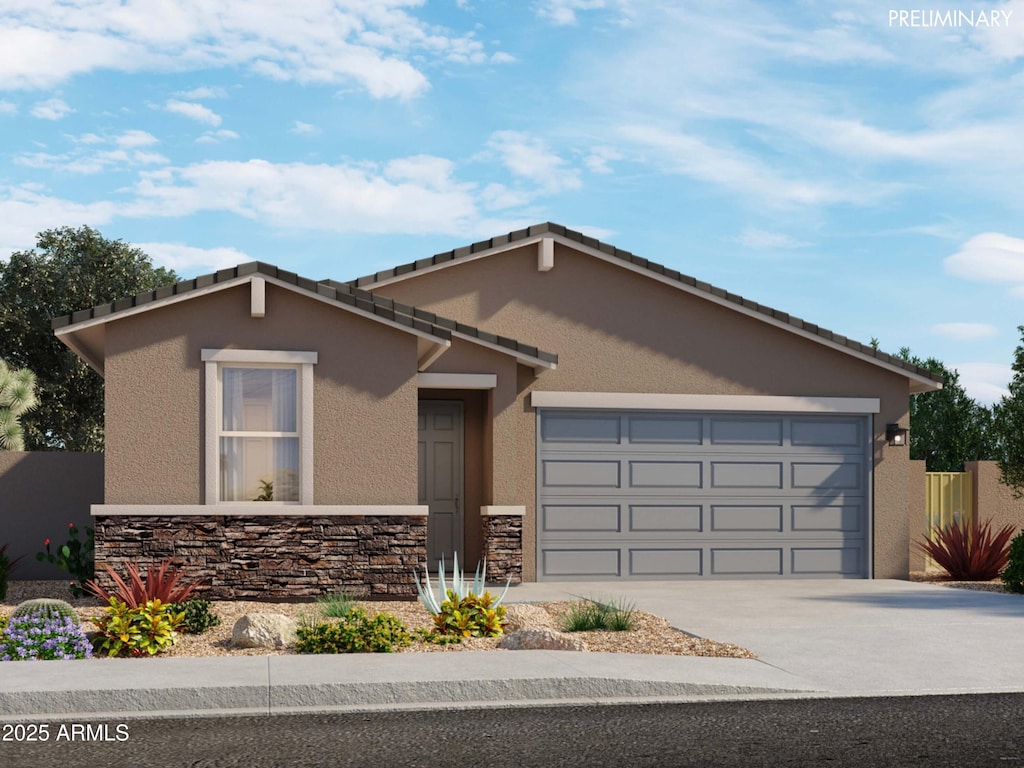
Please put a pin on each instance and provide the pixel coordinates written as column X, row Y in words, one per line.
column 618, row 331
column 917, row 517
column 993, row 500
column 365, row 398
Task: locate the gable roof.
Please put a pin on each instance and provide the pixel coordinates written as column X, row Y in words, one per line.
column 920, row 379
column 83, row 331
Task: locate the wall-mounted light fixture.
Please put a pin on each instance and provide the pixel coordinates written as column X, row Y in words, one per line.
column 895, row 434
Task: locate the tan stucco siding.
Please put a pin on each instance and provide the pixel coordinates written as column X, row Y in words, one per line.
column 618, row 331
column 364, row 396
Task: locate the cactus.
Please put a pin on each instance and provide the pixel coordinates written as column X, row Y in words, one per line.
column 17, row 395
column 47, row 607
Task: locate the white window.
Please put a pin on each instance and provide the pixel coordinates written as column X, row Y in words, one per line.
column 259, row 426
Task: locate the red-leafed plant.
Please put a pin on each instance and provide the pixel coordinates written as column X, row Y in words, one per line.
column 162, row 583
column 969, row 551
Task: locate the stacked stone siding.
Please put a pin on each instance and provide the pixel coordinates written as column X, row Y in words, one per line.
column 503, row 547
column 257, row 558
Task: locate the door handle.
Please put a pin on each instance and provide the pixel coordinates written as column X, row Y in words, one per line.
column 456, row 505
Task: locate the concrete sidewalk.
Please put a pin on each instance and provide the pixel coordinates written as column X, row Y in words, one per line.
column 813, row 638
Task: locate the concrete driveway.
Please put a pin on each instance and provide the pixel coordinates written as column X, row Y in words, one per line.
column 843, row 636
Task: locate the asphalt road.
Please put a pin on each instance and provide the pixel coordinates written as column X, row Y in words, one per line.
column 934, row 731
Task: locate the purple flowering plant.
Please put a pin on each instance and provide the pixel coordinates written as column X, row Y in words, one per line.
column 41, row 636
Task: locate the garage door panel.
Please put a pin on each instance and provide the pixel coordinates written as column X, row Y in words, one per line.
column 572, row 518
column 663, row 563
column 827, row 475
column 746, row 474
column 746, row 518
column 666, row 429
column 734, row 431
column 823, row 561
column 746, row 561
column 644, row 518
column 840, row 518
column 581, row 474
column 834, row 433
column 665, row 474
column 578, row 428
column 582, row 563
column 703, row 496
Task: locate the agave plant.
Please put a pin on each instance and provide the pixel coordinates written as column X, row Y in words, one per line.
column 969, row 551
column 458, row 584
column 17, row 395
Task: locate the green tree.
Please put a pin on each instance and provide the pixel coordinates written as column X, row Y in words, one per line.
column 947, row 427
column 17, row 396
column 70, row 269
column 1008, row 426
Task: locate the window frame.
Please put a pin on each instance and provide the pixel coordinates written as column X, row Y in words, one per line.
column 215, row 360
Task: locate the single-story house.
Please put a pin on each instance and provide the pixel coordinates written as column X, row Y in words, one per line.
column 561, row 407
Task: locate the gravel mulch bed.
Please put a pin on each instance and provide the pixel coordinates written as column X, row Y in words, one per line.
column 942, row 579
column 652, row 634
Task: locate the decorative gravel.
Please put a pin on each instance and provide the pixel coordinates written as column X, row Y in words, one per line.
column 652, row 634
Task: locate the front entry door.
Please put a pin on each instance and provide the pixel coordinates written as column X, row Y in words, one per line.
column 440, row 477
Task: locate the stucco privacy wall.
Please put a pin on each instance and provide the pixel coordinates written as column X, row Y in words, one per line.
column 618, row 331
column 41, row 492
column 917, row 516
column 365, row 397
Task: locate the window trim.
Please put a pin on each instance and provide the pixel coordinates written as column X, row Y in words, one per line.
column 213, row 360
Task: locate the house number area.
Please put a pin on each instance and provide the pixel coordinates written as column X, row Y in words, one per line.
column 26, row 732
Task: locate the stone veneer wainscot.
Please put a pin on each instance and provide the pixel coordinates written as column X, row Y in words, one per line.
column 503, row 547
column 271, row 557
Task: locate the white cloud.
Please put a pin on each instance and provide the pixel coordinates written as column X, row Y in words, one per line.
column 599, row 157
column 26, row 212
column 193, row 111
column 190, row 260
column 203, row 92
column 563, row 12
column 51, row 109
column 985, row 382
column 304, row 129
column 7, row 107
column 216, row 137
column 763, row 239
column 413, row 195
column 369, row 44
column 989, row 257
column 529, row 158
column 135, row 138
column 964, row 331
column 501, row 57
column 741, row 172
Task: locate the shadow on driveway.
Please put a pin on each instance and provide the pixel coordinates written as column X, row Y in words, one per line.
column 934, row 597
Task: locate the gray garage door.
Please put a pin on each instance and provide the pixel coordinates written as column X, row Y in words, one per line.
column 652, row 495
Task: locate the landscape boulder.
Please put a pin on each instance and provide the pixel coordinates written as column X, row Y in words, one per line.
column 524, row 615
column 263, row 630
column 540, row 639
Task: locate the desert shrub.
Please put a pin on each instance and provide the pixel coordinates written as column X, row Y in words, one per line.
column 162, row 583
column 43, row 637
column 356, row 633
column 147, row 629
column 470, row 616
column 434, row 637
column 336, row 605
column 587, row 615
column 969, row 551
column 45, row 606
column 1013, row 574
column 198, row 615
column 75, row 557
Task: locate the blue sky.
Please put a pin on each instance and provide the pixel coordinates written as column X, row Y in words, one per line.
column 822, row 158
